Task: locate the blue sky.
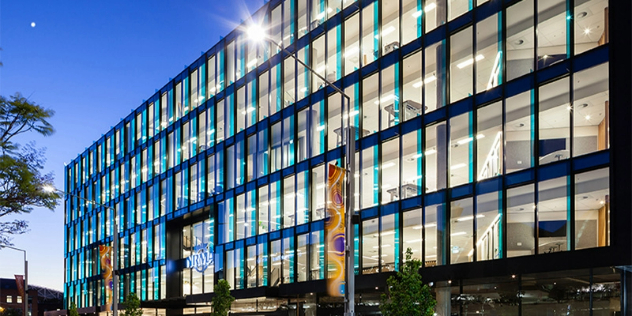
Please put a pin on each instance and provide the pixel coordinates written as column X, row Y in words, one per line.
column 93, row 62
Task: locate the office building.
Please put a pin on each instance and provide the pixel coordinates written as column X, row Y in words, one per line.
column 485, row 142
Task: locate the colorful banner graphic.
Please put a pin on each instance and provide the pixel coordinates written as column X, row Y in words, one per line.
column 335, row 232
column 19, row 281
column 107, row 273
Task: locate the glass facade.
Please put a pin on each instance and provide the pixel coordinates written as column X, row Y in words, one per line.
column 482, row 134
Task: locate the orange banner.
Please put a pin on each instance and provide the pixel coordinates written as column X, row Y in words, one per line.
column 107, row 273
column 335, row 232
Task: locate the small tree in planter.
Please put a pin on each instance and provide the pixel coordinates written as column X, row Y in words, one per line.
column 406, row 294
column 222, row 300
column 72, row 311
column 132, row 305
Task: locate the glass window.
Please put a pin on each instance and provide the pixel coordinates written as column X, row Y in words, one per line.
column 352, row 44
column 389, row 243
column 461, row 64
column 288, row 141
column 411, row 20
column 520, row 221
column 369, row 177
column 489, row 67
column 263, row 159
column 553, row 212
column 301, row 257
column 411, row 164
column 390, row 97
column 434, row 76
column 289, row 202
column 240, row 209
column 318, row 62
column 289, row 26
column 546, row 288
column 275, row 147
column 302, row 18
column 275, row 206
column 436, row 157
column 370, row 37
column 390, row 26
column 230, row 62
column 318, row 13
column 370, row 247
column 317, row 256
column 591, row 121
column 390, row 171
column 317, row 128
column 276, row 99
column 302, row 197
column 275, row 267
column 434, row 235
column 435, row 11
column 461, row 149
column 592, row 209
column 263, row 210
column 276, row 27
column 242, row 112
column 458, row 7
column 318, row 187
column 519, row 132
column 251, row 267
column 520, row 39
column 263, row 96
column 262, row 264
column 288, row 260
column 370, row 106
column 289, row 90
column 488, row 226
column 413, row 82
column 554, row 120
column 489, row 141
column 461, row 231
column 302, row 77
column 591, row 25
column 334, row 121
column 553, row 25
column 334, row 54
column 413, row 224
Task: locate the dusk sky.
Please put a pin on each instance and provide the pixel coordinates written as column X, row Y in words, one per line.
column 93, row 62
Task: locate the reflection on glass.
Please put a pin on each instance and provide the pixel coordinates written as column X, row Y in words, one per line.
column 554, row 120
column 489, row 141
column 412, row 233
column 390, row 171
column 461, row 149
column 592, row 209
column 389, row 244
column 370, row 247
column 488, row 226
column 520, row 221
column 461, row 231
column 591, row 24
column 591, row 121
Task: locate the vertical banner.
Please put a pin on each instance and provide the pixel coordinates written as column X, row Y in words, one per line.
column 107, row 273
column 19, row 281
column 335, row 232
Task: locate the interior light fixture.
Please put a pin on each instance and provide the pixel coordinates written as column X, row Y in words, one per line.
column 417, row 14
column 587, row 117
column 385, row 32
column 586, row 31
column 458, row 234
column 252, row 63
column 431, row 152
column 430, row 7
column 385, row 99
column 469, row 218
column 457, row 166
column 470, row 61
column 320, row 128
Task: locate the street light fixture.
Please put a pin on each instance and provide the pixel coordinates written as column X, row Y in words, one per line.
column 26, row 278
column 115, row 242
column 256, row 34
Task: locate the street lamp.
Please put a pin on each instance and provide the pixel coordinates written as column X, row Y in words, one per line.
column 256, row 33
column 26, row 278
column 115, row 242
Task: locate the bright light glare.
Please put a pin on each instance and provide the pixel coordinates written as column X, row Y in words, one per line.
column 256, row 33
column 48, row 188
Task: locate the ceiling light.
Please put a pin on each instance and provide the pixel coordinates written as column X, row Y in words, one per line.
column 469, row 218
column 465, row 141
column 413, row 241
column 470, row 61
column 252, row 63
column 430, row 79
column 430, row 152
column 458, row 166
column 430, row 7
column 586, row 31
column 418, row 84
column 387, row 31
column 320, row 128
column 320, row 69
column 417, row 14
column 582, row 15
column 587, row 117
column 458, row 234
column 519, row 42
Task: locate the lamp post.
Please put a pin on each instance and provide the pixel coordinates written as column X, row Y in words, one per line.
column 256, row 33
column 115, row 246
column 26, row 278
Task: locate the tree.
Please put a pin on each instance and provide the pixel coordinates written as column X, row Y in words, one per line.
column 132, row 305
column 73, row 310
column 406, row 294
column 222, row 300
column 21, row 180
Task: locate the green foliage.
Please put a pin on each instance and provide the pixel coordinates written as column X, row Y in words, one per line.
column 132, row 305
column 73, row 310
column 21, row 181
column 11, row 312
column 406, row 294
column 222, row 300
